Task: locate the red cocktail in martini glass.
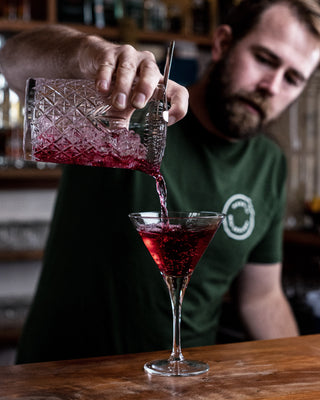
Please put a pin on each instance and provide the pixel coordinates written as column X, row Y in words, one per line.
column 176, row 242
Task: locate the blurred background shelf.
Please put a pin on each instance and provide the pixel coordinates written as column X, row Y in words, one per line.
column 147, row 20
column 13, row 178
column 17, row 255
column 109, row 33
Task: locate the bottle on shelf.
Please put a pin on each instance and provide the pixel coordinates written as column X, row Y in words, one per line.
column 15, row 10
column 200, row 17
column 73, row 11
column 175, row 18
column 133, row 9
column 110, row 10
column 155, row 15
column 107, row 13
column 10, row 120
column 99, row 17
column 24, row 10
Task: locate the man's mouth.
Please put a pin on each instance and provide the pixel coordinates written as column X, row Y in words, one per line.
column 253, row 107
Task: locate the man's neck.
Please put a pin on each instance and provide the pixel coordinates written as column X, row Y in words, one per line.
column 197, row 101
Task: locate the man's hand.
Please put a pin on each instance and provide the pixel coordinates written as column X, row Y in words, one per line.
column 124, row 65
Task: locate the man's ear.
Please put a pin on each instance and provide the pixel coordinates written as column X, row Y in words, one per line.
column 221, row 41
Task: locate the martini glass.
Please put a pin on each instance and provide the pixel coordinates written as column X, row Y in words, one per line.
column 176, row 242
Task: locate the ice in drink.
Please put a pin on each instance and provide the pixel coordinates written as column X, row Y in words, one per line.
column 69, row 122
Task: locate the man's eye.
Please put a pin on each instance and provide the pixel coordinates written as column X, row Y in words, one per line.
column 292, row 80
column 264, row 60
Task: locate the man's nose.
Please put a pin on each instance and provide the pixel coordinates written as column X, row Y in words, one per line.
column 271, row 83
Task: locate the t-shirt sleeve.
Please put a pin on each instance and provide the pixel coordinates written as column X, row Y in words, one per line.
column 269, row 249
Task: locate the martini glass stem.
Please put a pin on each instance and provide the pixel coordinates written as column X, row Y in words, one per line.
column 177, row 286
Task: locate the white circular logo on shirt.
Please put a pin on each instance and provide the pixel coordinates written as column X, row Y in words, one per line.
column 240, row 217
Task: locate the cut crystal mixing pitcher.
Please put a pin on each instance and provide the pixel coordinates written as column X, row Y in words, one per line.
column 67, row 121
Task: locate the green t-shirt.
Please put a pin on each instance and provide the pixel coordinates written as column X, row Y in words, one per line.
column 101, row 293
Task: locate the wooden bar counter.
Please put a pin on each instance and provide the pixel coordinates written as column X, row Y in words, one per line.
column 282, row 369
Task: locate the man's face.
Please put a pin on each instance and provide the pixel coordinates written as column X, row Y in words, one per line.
column 262, row 74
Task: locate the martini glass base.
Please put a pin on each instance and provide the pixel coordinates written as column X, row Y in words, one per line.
column 176, row 368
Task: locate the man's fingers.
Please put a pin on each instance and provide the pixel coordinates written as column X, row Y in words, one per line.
column 133, row 74
column 104, row 75
column 178, row 96
column 117, row 68
column 148, row 79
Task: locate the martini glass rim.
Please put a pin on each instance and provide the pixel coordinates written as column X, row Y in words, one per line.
column 183, row 215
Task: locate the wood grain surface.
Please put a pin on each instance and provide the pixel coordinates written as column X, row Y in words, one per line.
column 282, row 369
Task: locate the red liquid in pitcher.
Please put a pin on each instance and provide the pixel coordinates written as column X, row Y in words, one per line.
column 116, row 149
column 119, row 148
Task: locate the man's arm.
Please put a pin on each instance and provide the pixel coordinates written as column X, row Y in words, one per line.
column 45, row 52
column 61, row 52
column 263, row 306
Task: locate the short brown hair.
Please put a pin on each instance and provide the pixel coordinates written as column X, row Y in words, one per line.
column 245, row 16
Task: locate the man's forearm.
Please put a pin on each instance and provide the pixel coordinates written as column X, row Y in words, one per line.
column 46, row 52
column 269, row 319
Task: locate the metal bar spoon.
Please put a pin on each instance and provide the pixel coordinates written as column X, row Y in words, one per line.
column 167, row 67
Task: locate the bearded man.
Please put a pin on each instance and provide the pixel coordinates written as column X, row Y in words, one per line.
column 100, row 292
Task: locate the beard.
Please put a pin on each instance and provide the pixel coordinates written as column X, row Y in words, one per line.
column 228, row 110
